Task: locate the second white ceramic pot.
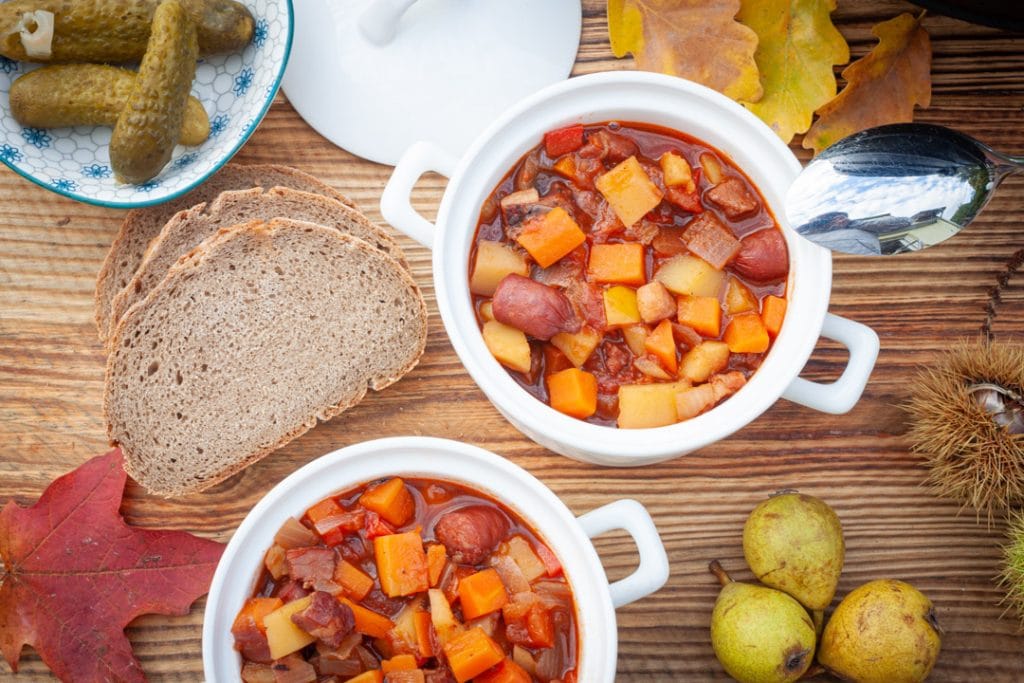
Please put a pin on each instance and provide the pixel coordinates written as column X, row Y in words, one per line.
column 665, row 101
column 473, row 467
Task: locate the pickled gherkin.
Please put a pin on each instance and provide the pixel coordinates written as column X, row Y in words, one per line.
column 116, row 31
column 88, row 95
column 150, row 122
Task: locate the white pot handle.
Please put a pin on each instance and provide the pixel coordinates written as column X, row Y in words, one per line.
column 840, row 396
column 395, row 204
column 631, row 517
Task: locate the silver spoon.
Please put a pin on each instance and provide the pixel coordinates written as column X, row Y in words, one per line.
column 895, row 189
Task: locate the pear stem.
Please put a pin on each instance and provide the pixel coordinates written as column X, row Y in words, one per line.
column 818, row 617
column 715, row 568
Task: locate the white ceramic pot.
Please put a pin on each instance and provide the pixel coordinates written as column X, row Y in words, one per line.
column 665, row 101
column 345, row 469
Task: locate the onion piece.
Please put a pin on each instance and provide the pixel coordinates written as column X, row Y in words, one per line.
column 293, row 534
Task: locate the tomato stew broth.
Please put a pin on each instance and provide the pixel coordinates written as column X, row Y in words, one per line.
column 409, row 581
column 610, row 180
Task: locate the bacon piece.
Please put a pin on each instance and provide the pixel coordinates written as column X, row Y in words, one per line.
column 327, row 619
column 311, row 566
column 733, row 197
column 707, row 237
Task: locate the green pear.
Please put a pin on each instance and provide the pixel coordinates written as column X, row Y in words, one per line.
column 760, row 635
column 882, row 632
column 794, row 542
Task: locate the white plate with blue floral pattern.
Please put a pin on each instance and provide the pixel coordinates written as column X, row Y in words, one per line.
column 236, row 90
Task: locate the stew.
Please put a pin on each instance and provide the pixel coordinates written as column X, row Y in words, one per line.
column 628, row 275
column 408, row 581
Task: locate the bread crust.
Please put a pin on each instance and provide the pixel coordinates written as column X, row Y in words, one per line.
column 140, row 226
column 288, row 202
column 191, row 266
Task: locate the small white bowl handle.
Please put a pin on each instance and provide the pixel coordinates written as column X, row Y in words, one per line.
column 840, row 396
column 631, row 517
column 395, row 204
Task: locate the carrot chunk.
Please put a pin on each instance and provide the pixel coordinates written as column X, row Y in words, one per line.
column 482, row 593
column 391, row 500
column 368, row 622
column 573, row 392
column 617, row 264
column 423, row 627
column 550, row 237
column 325, row 508
column 401, row 564
column 403, row 662
column 747, row 334
column 371, row 676
column 353, row 581
column 436, row 557
column 773, row 310
column 505, row 672
column 662, row 345
column 702, row 313
column 471, row 654
column 255, row 609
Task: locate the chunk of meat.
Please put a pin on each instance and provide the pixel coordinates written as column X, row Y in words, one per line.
column 311, row 566
column 438, row 676
column 643, row 231
column 327, row 619
column 251, row 641
column 762, row 257
column 732, row 196
column 527, row 173
column 588, row 300
column 707, row 237
column 615, row 358
column 669, row 242
column 606, row 224
column 565, row 271
column 604, row 144
column 471, row 533
column 538, row 310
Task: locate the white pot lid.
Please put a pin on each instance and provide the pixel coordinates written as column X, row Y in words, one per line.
column 375, row 76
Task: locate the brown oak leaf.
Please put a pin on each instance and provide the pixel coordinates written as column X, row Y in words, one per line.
column 696, row 39
column 881, row 87
column 75, row 574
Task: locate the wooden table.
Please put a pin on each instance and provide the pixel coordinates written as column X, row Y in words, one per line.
column 51, row 380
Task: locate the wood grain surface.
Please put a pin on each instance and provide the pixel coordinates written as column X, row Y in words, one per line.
column 51, row 380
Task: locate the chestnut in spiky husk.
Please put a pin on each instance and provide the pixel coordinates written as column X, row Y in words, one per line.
column 1011, row 578
column 967, row 421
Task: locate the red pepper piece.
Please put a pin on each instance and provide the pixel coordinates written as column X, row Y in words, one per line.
column 563, row 140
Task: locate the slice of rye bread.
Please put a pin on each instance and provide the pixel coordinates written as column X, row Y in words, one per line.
column 187, row 229
column 140, row 226
column 262, row 330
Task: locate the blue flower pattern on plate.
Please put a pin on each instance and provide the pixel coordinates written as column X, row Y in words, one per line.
column 10, row 154
column 218, row 124
column 243, row 81
column 96, row 171
column 235, row 90
column 36, row 137
column 185, row 159
column 259, row 33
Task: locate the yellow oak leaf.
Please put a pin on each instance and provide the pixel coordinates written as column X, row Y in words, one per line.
column 695, row 39
column 798, row 45
column 881, row 87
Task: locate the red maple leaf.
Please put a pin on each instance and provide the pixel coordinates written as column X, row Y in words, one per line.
column 75, row 574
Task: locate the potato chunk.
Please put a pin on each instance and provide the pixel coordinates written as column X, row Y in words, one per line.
column 704, row 360
column 508, row 345
column 629, row 190
column 686, row 274
column 494, row 261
